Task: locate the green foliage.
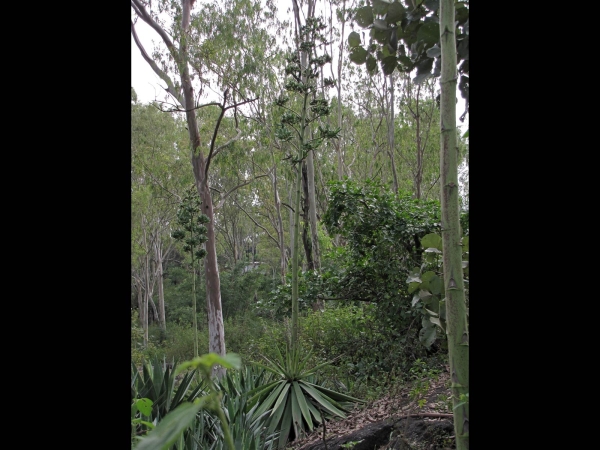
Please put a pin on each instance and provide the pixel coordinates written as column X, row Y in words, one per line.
column 141, row 410
column 420, row 375
column 157, row 382
column 382, row 234
column 296, row 403
column 351, row 444
column 248, row 430
column 427, row 286
column 192, row 231
column 276, row 303
column 138, row 351
column 406, row 39
column 183, row 414
column 385, row 263
column 179, row 342
column 178, row 288
column 239, row 289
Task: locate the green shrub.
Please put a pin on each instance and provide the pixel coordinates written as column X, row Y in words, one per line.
column 179, row 342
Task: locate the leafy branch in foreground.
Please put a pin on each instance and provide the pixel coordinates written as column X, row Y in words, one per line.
column 169, row 429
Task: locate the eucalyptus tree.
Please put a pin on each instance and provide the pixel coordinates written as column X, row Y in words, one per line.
column 418, row 130
column 343, row 14
column 404, row 36
column 157, row 180
column 189, row 63
column 369, row 156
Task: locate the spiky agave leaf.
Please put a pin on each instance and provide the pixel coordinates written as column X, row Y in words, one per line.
column 293, row 401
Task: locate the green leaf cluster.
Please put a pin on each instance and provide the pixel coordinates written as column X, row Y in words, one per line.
column 192, row 231
column 296, row 404
column 427, row 286
column 406, row 39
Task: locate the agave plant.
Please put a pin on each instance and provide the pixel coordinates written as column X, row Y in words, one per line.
column 157, row 383
column 247, row 428
column 179, row 428
column 293, row 400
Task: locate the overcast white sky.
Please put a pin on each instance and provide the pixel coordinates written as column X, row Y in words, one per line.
column 147, row 84
column 143, row 79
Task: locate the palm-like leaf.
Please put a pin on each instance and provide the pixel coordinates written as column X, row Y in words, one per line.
column 293, row 400
column 157, row 383
column 246, row 426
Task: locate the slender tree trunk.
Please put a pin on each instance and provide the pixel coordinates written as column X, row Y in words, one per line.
column 147, row 286
column 141, row 309
column 154, row 310
column 159, row 277
column 280, row 235
column 186, row 98
column 312, row 211
column 420, row 149
column 292, row 214
column 303, row 126
column 391, row 129
column 216, row 338
column 456, row 318
column 216, row 334
column 337, row 143
column 310, row 265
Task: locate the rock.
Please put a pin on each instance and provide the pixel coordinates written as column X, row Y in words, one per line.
column 433, row 434
column 372, row 436
column 394, row 434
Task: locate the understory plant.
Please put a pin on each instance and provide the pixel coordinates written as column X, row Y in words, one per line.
column 293, row 400
column 169, row 429
column 157, row 383
column 426, row 285
column 215, row 415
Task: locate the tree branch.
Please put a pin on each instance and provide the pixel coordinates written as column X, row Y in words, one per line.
column 215, row 132
column 170, row 86
column 145, row 16
column 227, row 194
column 258, row 225
column 233, row 139
column 288, row 206
column 212, row 153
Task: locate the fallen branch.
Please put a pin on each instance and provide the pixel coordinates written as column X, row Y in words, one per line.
column 448, row 416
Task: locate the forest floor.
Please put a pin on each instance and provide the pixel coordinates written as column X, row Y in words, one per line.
column 415, row 417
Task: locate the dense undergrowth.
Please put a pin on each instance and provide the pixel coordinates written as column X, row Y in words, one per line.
column 360, row 314
column 365, row 363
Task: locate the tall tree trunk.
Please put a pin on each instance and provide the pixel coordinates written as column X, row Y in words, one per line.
column 154, row 310
column 216, row 333
column 310, row 265
column 147, row 286
column 295, row 255
column 391, row 129
column 337, row 143
column 279, row 227
column 420, row 148
column 456, row 317
column 141, row 309
column 159, row 258
column 216, row 342
column 312, row 211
